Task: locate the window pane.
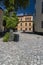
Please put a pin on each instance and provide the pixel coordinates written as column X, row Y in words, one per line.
column 21, row 28
column 29, row 24
column 25, row 24
column 20, row 19
column 42, row 24
column 21, row 24
column 42, row 7
column 27, row 19
column 29, row 28
column 25, row 28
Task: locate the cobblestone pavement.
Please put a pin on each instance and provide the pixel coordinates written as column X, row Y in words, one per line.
column 28, row 51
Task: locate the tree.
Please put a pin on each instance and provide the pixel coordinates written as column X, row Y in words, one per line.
column 11, row 21
column 11, row 6
column 15, row 4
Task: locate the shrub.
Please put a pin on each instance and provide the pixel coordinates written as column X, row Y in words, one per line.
column 6, row 37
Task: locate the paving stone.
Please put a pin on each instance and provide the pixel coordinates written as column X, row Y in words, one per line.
column 28, row 51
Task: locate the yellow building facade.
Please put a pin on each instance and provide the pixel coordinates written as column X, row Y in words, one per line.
column 25, row 23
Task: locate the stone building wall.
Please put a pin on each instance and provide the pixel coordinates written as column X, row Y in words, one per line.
column 1, row 20
column 38, row 16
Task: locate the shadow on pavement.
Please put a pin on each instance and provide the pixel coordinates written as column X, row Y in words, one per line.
column 36, row 33
column 2, row 34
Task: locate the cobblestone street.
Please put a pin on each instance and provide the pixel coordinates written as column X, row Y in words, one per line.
column 28, row 51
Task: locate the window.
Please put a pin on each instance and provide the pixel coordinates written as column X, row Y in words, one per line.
column 42, row 24
column 34, row 1
column 21, row 24
column 29, row 24
column 21, row 28
column 20, row 19
column 42, row 7
column 29, row 28
column 35, row 12
column 25, row 28
column 27, row 19
column 25, row 24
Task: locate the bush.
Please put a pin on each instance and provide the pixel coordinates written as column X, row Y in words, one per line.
column 6, row 37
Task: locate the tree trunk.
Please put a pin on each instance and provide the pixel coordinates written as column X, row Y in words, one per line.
column 11, row 35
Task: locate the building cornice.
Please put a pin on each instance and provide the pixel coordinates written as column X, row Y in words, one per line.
column 24, row 15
